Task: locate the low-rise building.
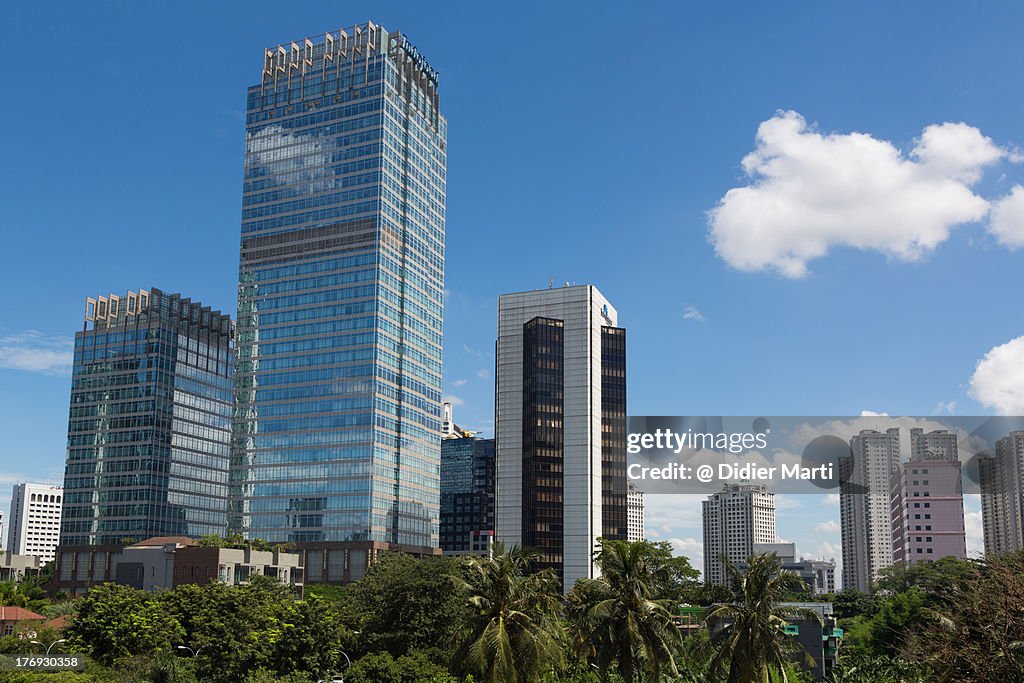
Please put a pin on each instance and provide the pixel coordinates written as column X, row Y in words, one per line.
column 169, row 561
column 13, row 618
column 15, row 567
column 818, row 574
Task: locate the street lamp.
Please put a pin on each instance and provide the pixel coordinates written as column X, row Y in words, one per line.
column 331, row 673
column 194, row 653
column 62, row 640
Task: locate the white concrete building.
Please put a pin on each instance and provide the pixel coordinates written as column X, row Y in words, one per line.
column 864, row 505
column 560, row 426
column 735, row 518
column 34, row 525
column 634, row 513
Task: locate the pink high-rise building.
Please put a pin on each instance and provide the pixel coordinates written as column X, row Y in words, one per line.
column 927, row 501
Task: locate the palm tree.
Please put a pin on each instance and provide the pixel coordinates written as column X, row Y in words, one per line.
column 619, row 617
column 514, row 632
column 752, row 641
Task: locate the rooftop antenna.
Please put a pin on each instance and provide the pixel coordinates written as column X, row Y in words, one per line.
column 551, row 282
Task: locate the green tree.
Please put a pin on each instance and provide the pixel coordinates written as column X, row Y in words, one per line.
column 116, row 621
column 975, row 630
column 619, row 617
column 750, row 643
column 406, row 604
column 239, row 628
column 870, row 669
column 513, row 633
column 381, row 667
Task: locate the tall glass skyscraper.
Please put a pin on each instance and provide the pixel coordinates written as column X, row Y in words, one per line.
column 338, row 375
column 149, row 429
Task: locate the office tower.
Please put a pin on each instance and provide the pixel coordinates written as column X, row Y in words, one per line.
column 864, row 505
column 467, row 494
column 735, row 518
column 819, row 575
column 1001, row 495
column 340, row 301
column 927, row 501
column 634, row 513
column 560, row 426
column 35, row 520
column 150, row 422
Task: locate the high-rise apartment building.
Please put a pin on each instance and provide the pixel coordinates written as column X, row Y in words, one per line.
column 927, row 501
column 467, row 492
column 735, row 518
column 560, row 426
column 1002, row 475
column 149, row 429
column 35, row 520
column 340, row 301
column 634, row 513
column 865, row 505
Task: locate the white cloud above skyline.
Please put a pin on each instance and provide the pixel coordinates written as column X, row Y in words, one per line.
column 998, row 379
column 33, row 351
column 810, row 192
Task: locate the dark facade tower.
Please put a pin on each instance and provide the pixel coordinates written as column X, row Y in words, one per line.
column 560, row 426
column 543, row 439
column 150, row 419
column 467, row 493
column 613, row 434
column 338, row 382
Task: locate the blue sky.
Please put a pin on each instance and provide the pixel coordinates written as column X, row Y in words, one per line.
column 587, row 143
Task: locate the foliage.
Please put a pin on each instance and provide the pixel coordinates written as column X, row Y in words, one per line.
column 619, row 617
column 381, row 667
column 850, row 603
column 513, row 633
column 750, row 643
column 240, row 542
column 115, row 621
column 871, row 669
column 405, row 604
column 27, row 593
column 975, row 629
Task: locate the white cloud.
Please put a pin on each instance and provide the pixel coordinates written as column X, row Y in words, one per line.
column 830, row 499
column 471, row 351
column 691, row 312
column 692, row 549
column 871, row 413
column 829, row 527
column 454, row 400
column 1007, row 221
column 33, row 351
column 458, row 383
column 998, row 379
column 831, row 551
column 809, row 192
column 975, row 533
column 945, row 407
column 483, row 373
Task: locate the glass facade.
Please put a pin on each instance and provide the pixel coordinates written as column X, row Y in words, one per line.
column 543, row 439
column 338, row 375
column 614, row 518
column 467, row 490
column 149, row 428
